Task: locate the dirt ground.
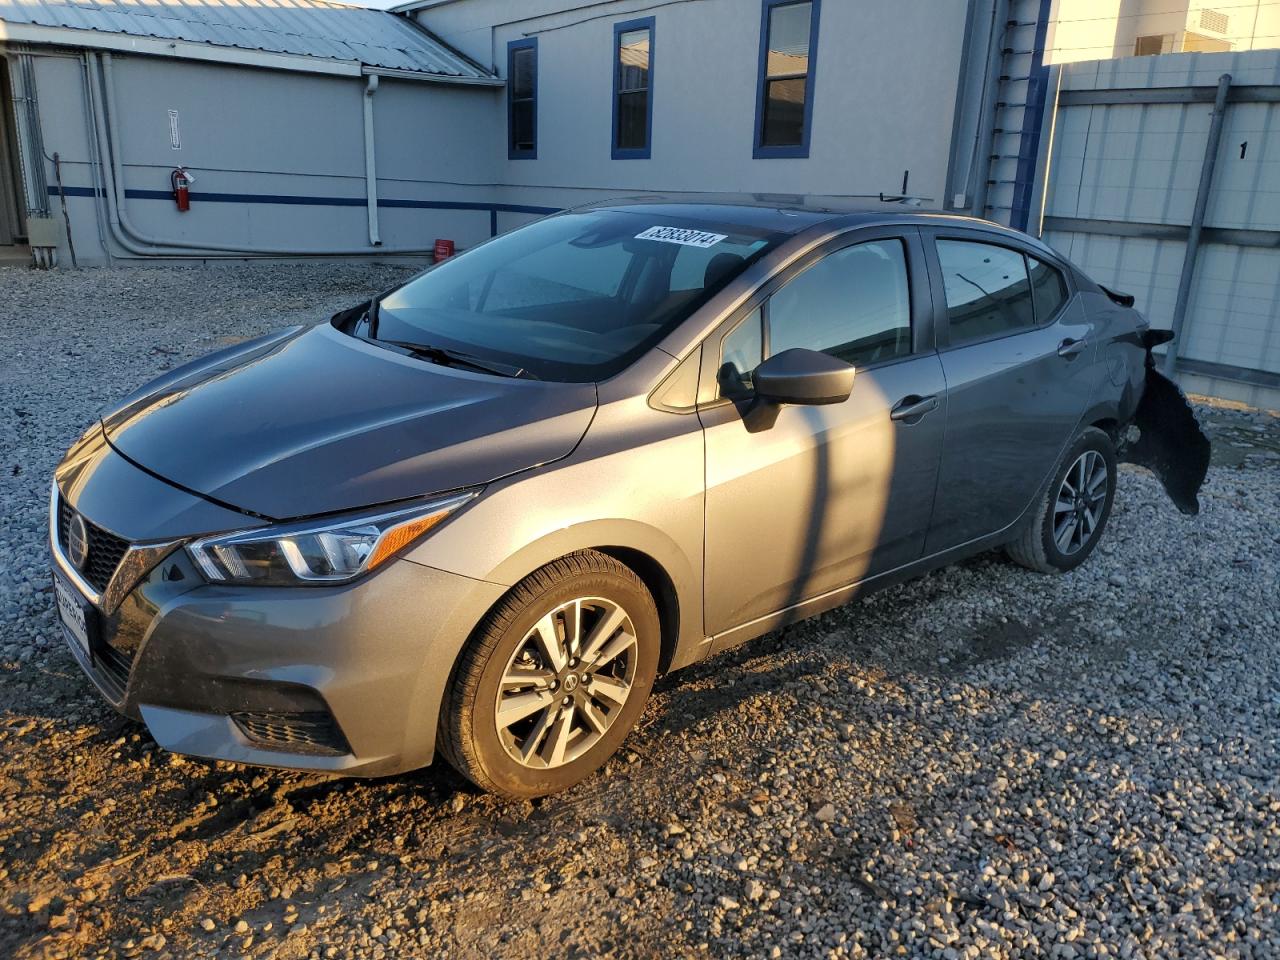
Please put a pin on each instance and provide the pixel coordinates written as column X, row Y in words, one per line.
column 110, row 846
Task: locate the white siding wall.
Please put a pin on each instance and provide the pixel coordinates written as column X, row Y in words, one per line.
column 264, row 133
column 884, row 100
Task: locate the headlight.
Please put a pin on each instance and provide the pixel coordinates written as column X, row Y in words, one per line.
column 319, row 551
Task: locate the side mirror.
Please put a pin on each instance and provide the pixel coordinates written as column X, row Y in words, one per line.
column 803, row 377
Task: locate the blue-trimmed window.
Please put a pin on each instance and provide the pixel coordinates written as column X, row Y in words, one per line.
column 788, row 58
column 633, row 89
column 522, row 99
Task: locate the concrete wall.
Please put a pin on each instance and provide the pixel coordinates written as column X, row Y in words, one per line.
column 884, row 101
column 1126, row 166
column 278, row 157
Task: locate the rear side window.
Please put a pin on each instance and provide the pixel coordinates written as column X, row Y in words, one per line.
column 1048, row 288
column 988, row 292
column 854, row 304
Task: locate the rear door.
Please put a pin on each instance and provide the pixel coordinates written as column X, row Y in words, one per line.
column 1017, row 352
column 803, row 500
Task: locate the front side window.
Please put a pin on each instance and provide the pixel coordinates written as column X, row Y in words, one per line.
column 988, row 293
column 632, row 89
column 854, row 304
column 788, row 42
column 522, row 99
column 575, row 297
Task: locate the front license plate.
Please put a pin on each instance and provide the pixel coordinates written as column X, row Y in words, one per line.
column 71, row 610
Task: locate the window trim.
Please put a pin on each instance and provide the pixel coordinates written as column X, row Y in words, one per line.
column 800, row 150
column 943, row 319
column 632, row 153
column 1066, row 283
column 513, row 152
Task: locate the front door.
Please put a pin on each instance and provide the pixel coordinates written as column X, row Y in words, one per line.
column 803, row 500
column 1018, row 357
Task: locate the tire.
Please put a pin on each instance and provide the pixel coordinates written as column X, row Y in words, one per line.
column 1037, row 547
column 566, row 679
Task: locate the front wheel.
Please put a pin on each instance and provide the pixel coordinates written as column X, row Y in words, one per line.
column 553, row 679
column 1068, row 521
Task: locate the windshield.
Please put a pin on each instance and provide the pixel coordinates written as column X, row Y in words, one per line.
column 576, row 297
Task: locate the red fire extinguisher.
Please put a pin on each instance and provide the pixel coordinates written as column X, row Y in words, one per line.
column 181, row 181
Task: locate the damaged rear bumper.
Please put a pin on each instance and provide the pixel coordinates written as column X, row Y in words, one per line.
column 1169, row 441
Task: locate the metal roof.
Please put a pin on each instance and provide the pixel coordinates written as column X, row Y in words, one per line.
column 316, row 29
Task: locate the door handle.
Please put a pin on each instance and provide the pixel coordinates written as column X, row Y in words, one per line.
column 912, row 408
column 1070, row 348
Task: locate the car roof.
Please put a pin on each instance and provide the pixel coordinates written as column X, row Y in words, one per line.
column 791, row 213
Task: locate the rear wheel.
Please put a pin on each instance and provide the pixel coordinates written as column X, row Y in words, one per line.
column 553, row 679
column 1072, row 513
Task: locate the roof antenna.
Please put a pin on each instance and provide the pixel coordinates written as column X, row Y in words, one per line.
column 903, row 197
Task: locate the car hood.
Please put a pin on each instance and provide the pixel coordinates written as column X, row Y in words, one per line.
column 312, row 421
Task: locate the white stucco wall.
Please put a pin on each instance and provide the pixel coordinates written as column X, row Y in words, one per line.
column 884, row 101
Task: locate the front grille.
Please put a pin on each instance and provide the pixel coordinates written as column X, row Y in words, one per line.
column 311, row 732
column 106, row 550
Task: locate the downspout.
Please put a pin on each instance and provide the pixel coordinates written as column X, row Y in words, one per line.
column 370, row 161
column 984, row 145
column 95, row 164
column 1183, row 303
column 133, row 240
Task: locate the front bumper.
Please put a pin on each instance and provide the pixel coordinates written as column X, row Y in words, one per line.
column 345, row 679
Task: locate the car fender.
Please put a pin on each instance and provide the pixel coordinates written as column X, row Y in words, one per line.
column 619, row 536
column 636, row 484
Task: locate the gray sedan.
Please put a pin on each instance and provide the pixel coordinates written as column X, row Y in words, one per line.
column 479, row 514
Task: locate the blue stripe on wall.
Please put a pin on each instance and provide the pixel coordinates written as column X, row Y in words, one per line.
column 492, row 208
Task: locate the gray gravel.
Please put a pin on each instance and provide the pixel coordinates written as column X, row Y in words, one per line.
column 981, row 763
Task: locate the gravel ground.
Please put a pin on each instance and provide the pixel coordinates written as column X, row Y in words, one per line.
column 980, row 763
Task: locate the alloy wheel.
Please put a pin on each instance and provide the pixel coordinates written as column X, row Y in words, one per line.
column 566, row 682
column 1080, row 503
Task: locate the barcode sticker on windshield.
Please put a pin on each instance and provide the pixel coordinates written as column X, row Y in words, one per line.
column 688, row 238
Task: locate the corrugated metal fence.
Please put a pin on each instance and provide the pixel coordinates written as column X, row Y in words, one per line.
column 1128, row 150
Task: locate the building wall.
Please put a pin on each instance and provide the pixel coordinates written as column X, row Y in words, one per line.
column 884, row 98
column 1122, row 173
column 1106, row 29
column 278, row 157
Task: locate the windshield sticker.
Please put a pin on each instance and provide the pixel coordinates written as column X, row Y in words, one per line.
column 687, row 238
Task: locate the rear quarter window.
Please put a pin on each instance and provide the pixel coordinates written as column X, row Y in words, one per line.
column 1048, row 288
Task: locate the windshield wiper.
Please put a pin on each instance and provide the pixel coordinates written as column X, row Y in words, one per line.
column 456, row 358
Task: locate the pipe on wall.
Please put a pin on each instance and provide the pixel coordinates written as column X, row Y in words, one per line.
column 1212, row 144
column 137, row 242
column 95, row 166
column 370, row 161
